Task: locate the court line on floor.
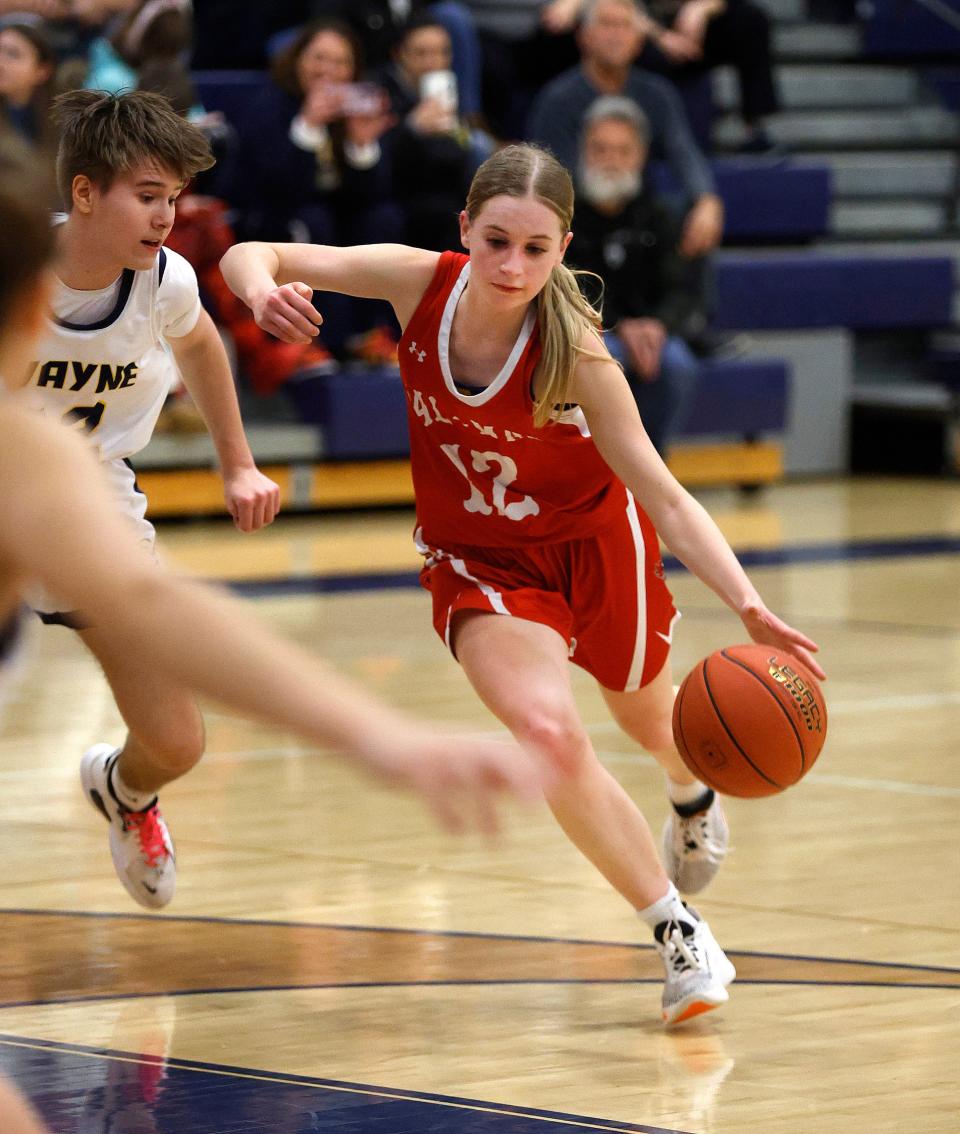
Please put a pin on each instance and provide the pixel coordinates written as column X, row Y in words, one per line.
column 282, row 923
column 791, row 555
column 557, row 1118
column 524, row 982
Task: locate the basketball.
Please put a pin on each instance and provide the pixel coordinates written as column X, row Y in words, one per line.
column 749, row 720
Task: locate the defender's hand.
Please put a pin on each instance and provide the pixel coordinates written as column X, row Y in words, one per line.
column 252, row 498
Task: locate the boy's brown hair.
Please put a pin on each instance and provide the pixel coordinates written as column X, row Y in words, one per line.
column 104, row 136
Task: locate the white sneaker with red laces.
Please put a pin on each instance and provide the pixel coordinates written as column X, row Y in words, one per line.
column 140, row 843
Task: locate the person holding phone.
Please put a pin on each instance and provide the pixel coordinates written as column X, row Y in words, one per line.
column 433, row 151
column 312, row 166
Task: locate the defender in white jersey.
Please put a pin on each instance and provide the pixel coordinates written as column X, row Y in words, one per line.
column 106, row 363
column 125, row 319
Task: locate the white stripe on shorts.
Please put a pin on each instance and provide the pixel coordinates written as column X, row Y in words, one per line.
column 495, row 598
column 435, row 555
column 640, row 643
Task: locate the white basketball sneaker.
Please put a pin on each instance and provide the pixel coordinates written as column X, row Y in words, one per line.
column 697, row 969
column 139, row 840
column 694, row 846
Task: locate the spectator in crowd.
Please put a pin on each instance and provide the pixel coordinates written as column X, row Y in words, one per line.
column 380, row 23
column 525, row 43
column 81, row 32
column 685, row 38
column 311, row 168
column 40, row 9
column 610, row 38
column 154, row 39
column 628, row 237
column 434, row 153
column 27, row 66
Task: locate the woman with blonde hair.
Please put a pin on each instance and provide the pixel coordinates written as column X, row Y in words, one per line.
column 539, row 499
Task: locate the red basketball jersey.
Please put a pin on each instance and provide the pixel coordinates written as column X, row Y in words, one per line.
column 483, row 473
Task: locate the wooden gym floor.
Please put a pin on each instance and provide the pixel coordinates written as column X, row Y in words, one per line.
column 332, row 963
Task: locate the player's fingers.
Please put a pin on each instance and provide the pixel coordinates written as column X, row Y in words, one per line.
column 812, row 664
column 524, row 777
column 271, row 505
column 298, row 299
column 506, row 767
column 244, row 516
column 444, row 807
column 296, row 328
column 807, row 643
column 302, row 306
column 486, row 819
column 283, row 329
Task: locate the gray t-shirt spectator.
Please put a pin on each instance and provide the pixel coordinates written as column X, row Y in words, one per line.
column 557, row 116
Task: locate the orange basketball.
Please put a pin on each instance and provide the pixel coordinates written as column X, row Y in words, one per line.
column 749, row 720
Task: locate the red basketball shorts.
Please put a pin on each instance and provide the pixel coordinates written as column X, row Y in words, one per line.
column 604, row 595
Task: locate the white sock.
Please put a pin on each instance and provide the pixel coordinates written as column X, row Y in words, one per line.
column 667, row 908
column 685, row 793
column 132, row 800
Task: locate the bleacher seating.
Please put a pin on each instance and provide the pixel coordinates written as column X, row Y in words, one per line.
column 906, row 27
column 783, row 201
column 775, row 294
column 764, row 200
column 748, row 398
column 820, row 290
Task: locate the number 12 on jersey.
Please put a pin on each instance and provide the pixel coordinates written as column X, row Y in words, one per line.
column 505, row 475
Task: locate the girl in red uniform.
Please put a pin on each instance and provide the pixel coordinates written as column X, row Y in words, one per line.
column 539, row 497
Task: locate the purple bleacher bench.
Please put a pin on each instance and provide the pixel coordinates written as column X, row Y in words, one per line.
column 897, row 28
column 779, row 201
column 766, row 200
column 816, row 290
column 741, row 397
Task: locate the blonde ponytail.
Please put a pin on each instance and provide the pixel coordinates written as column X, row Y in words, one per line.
column 566, row 318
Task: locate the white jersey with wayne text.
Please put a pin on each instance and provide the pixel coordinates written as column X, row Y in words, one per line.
column 110, row 370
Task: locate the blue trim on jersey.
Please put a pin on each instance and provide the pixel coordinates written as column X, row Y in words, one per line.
column 163, row 265
column 126, row 286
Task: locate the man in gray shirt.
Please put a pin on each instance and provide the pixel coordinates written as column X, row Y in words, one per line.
column 610, row 38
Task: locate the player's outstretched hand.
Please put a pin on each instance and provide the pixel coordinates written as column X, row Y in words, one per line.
column 287, row 313
column 252, row 498
column 464, row 780
column 764, row 627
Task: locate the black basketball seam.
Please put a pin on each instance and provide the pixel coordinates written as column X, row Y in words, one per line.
column 733, row 739
column 777, row 702
column 681, row 693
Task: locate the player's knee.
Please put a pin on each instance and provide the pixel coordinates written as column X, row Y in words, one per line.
column 655, row 734
column 557, row 735
column 179, row 748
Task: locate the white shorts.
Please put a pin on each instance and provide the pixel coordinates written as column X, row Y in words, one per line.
column 132, row 503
